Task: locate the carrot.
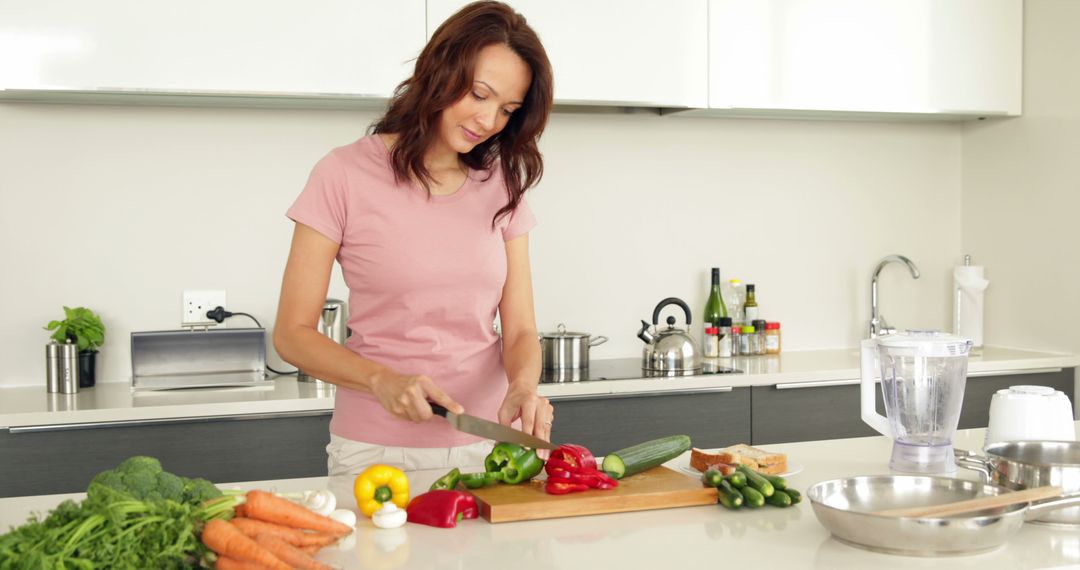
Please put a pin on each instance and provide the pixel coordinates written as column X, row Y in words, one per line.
column 294, row 536
column 226, row 563
column 290, row 554
column 265, row 506
column 226, row 540
column 240, row 510
column 312, row 550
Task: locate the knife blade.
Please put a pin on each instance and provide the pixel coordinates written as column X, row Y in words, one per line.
column 489, row 429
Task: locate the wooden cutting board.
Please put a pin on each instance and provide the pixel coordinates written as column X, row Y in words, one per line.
column 657, row 488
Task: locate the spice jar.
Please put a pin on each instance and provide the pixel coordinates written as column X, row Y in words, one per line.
column 725, row 337
column 772, row 338
column 735, row 335
column 747, row 341
column 759, row 332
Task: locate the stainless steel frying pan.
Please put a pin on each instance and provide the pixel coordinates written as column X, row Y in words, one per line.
column 848, row 507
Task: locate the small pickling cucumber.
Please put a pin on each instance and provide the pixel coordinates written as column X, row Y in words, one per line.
column 778, row 482
column 755, row 480
column 779, row 499
column 796, row 497
column 712, row 477
column 730, row 497
column 754, row 499
column 737, row 479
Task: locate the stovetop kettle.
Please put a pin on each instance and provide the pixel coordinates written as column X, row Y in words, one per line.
column 671, row 350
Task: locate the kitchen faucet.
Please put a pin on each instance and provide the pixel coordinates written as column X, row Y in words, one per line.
column 878, row 326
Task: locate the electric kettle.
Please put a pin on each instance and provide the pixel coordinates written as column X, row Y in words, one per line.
column 671, row 350
column 923, row 375
column 334, row 323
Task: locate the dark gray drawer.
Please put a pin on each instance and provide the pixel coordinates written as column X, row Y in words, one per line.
column 606, row 424
column 808, row 412
column 235, row 448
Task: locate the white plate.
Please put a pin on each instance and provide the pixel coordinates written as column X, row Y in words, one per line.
column 793, row 468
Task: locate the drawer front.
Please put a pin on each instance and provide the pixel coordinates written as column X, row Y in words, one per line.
column 221, row 450
column 808, row 413
column 711, row 419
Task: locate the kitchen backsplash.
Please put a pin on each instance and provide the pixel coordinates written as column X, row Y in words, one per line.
column 122, row 208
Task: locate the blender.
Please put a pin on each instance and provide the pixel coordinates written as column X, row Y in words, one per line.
column 923, row 374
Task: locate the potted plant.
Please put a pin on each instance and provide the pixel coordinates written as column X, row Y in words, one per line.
column 85, row 329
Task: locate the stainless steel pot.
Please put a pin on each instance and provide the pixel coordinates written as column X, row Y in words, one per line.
column 1023, row 464
column 564, row 350
column 848, row 508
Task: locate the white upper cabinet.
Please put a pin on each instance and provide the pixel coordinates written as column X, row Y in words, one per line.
column 950, row 57
column 249, row 46
column 651, row 54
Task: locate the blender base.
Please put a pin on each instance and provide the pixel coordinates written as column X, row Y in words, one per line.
column 908, row 458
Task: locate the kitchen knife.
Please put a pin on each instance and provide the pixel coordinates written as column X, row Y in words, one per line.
column 489, row 429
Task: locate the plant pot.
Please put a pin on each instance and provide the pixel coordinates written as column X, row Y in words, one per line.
column 87, row 368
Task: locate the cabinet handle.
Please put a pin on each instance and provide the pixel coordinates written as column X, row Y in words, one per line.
column 817, row 384
column 568, row 397
column 164, row 421
column 1012, row 372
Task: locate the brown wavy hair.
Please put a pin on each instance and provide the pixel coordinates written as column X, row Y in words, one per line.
column 444, row 74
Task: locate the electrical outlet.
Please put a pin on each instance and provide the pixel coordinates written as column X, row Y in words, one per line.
column 196, row 303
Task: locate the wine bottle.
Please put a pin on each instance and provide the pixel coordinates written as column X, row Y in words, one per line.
column 714, row 307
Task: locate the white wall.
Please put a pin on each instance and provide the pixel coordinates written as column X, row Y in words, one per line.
column 121, row 208
column 1021, row 192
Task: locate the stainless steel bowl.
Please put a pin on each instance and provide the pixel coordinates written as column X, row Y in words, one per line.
column 848, row 507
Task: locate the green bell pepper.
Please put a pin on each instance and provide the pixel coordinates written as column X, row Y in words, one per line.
column 513, row 463
column 478, row 480
column 447, row 482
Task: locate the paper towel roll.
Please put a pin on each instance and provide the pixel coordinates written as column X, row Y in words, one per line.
column 970, row 287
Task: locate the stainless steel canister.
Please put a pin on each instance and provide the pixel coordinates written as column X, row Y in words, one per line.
column 62, row 368
column 334, row 323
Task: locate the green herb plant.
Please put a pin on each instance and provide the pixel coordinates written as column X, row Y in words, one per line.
column 80, row 325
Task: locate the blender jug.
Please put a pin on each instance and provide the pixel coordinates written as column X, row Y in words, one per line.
column 923, row 374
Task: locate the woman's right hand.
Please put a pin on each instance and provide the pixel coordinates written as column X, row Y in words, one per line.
column 408, row 396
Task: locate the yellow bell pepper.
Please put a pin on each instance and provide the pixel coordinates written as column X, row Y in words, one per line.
column 379, row 484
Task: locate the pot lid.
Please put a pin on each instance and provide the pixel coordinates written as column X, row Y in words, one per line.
column 561, row 332
column 926, row 343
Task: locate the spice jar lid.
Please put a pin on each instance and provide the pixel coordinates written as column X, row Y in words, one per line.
column 747, row 329
column 712, row 330
column 759, row 324
column 774, row 326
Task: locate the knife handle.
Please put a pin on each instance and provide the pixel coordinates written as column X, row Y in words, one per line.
column 438, row 410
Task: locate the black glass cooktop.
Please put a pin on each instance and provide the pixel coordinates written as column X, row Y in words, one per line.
column 623, row 369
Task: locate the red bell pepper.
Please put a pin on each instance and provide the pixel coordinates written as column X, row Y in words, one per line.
column 442, row 508
column 572, row 468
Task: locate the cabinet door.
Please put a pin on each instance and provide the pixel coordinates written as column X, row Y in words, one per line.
column 808, row 411
column 318, row 46
column 905, row 56
column 606, row 424
column 606, row 52
column 223, row 450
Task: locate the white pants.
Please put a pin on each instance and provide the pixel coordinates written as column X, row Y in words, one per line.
column 348, row 457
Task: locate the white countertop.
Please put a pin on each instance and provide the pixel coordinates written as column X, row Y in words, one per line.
column 114, row 402
column 708, row 536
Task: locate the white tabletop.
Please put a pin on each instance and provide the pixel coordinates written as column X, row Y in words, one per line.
column 712, row 536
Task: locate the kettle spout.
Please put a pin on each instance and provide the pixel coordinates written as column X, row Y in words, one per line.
column 644, row 333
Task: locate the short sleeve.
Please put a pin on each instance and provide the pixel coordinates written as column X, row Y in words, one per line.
column 322, row 204
column 521, row 221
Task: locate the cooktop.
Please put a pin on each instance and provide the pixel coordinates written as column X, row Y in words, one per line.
column 623, row 369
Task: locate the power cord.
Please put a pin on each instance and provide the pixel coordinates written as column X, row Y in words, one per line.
column 219, row 314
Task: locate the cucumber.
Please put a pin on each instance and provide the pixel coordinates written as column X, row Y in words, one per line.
column 755, row 480
column 637, row 458
column 730, row 497
column 779, row 499
column 778, row 482
column 796, row 497
column 753, row 497
column 737, row 479
column 712, row 477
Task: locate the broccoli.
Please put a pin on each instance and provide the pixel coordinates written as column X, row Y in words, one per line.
column 142, row 478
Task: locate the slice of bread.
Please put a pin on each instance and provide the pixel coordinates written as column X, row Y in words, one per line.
column 754, row 458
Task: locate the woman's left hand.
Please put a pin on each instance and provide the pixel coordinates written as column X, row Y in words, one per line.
column 535, row 411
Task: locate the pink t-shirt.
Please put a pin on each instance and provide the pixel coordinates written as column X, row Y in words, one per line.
column 425, row 277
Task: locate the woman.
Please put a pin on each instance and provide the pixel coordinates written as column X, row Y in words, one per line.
column 427, row 219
